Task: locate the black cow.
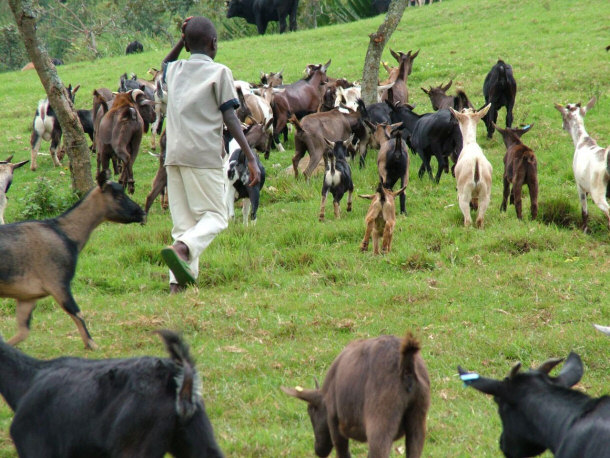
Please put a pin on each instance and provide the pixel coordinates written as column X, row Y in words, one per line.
column 499, row 89
column 134, row 47
column 261, row 12
column 380, row 6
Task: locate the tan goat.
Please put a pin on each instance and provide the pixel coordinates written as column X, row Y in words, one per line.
column 472, row 170
column 380, row 219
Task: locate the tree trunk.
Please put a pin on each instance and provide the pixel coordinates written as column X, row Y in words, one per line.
column 370, row 74
column 25, row 12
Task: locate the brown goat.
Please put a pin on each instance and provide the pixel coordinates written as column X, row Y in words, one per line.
column 159, row 184
column 520, row 167
column 120, row 134
column 39, row 257
column 400, row 93
column 376, row 391
column 380, row 219
column 311, row 131
column 440, row 99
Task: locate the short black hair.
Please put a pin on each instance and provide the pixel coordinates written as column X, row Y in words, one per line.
column 199, row 33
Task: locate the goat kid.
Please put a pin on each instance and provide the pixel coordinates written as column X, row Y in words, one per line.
column 376, row 391
column 539, row 411
column 380, row 219
column 6, row 178
column 591, row 163
column 472, row 171
column 440, row 99
column 39, row 257
column 46, row 127
column 337, row 177
column 237, row 175
column 520, row 167
column 138, row 407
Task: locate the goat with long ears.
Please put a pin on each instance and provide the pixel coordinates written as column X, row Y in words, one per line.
column 591, row 163
column 539, row 411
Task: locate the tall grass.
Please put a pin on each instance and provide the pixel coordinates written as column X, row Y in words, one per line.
column 278, row 301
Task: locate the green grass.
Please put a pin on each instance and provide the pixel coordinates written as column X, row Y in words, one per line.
column 278, row 301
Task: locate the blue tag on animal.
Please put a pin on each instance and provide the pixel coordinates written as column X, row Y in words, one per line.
column 527, row 127
column 469, row 377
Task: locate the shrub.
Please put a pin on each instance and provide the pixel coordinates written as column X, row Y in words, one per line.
column 44, row 199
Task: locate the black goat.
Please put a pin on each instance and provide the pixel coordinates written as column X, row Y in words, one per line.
column 337, row 177
column 430, row 135
column 375, row 113
column 539, row 411
column 134, row 47
column 137, row 407
column 238, row 177
column 499, row 89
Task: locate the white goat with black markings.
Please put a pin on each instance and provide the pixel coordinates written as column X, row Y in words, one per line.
column 6, row 178
column 591, row 163
column 472, row 170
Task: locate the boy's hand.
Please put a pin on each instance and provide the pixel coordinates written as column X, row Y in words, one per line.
column 186, row 21
column 255, row 173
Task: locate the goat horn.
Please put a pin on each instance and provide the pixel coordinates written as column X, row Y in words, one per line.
column 549, row 364
column 316, row 382
column 135, row 93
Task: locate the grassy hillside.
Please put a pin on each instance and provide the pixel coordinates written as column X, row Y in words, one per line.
column 278, row 301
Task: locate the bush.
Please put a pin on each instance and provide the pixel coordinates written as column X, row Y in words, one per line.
column 45, row 200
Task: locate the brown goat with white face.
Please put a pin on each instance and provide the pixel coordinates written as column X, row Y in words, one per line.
column 380, row 219
column 376, row 391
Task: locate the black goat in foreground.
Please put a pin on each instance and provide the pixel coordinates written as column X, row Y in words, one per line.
column 137, row 407
column 539, row 412
column 337, row 177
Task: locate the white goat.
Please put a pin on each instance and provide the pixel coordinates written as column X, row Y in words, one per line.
column 6, row 178
column 472, row 170
column 591, row 163
column 349, row 97
column 160, row 88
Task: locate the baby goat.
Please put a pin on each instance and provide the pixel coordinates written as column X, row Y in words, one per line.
column 137, row 407
column 539, row 411
column 376, row 391
column 237, row 175
column 6, row 178
column 337, row 177
column 380, row 219
column 39, row 257
column 472, row 170
column 520, row 167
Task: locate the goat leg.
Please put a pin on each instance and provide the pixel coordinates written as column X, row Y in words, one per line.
column 67, row 302
column 322, row 205
column 24, row 317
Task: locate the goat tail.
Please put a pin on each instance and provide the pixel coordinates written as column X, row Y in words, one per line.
column 409, row 348
column 297, row 124
column 188, row 392
column 477, row 176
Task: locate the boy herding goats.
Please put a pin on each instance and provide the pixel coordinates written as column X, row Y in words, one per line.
column 591, row 163
column 138, row 407
column 472, row 170
column 376, row 391
column 39, row 257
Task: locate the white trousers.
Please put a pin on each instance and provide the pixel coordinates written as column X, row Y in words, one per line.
column 198, row 209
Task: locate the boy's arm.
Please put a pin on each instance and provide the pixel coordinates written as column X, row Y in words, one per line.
column 234, row 128
column 175, row 52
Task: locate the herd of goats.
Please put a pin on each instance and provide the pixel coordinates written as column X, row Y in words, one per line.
column 377, row 390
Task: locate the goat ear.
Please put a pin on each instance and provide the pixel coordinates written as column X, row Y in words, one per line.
column 9, row 159
column 446, row 88
column 484, row 111
column 76, row 88
column 269, row 124
column 590, row 104
column 571, row 372
column 482, row 384
column 326, row 65
column 514, row 370
column 426, row 91
column 400, row 191
column 549, row 364
column 102, row 177
column 413, row 56
column 18, row 164
column 367, row 196
column 311, row 396
column 394, row 55
column 559, row 108
column 330, row 144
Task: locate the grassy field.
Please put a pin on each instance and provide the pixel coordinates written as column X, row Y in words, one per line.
column 278, row 301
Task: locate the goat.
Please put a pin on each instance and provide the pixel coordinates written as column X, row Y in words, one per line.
column 591, row 163
column 160, row 98
column 472, row 170
column 380, row 219
column 120, row 134
column 499, row 90
column 137, row 407
column 392, row 159
column 39, row 257
column 314, row 128
column 159, row 184
column 400, row 93
column 281, row 113
column 134, row 47
column 46, row 127
column 237, row 175
column 539, row 411
column 520, row 167
column 337, row 177
column 376, row 391
column 272, row 79
column 6, row 178
column 440, row 99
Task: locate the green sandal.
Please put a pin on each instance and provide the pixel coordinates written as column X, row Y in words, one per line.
column 180, row 269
